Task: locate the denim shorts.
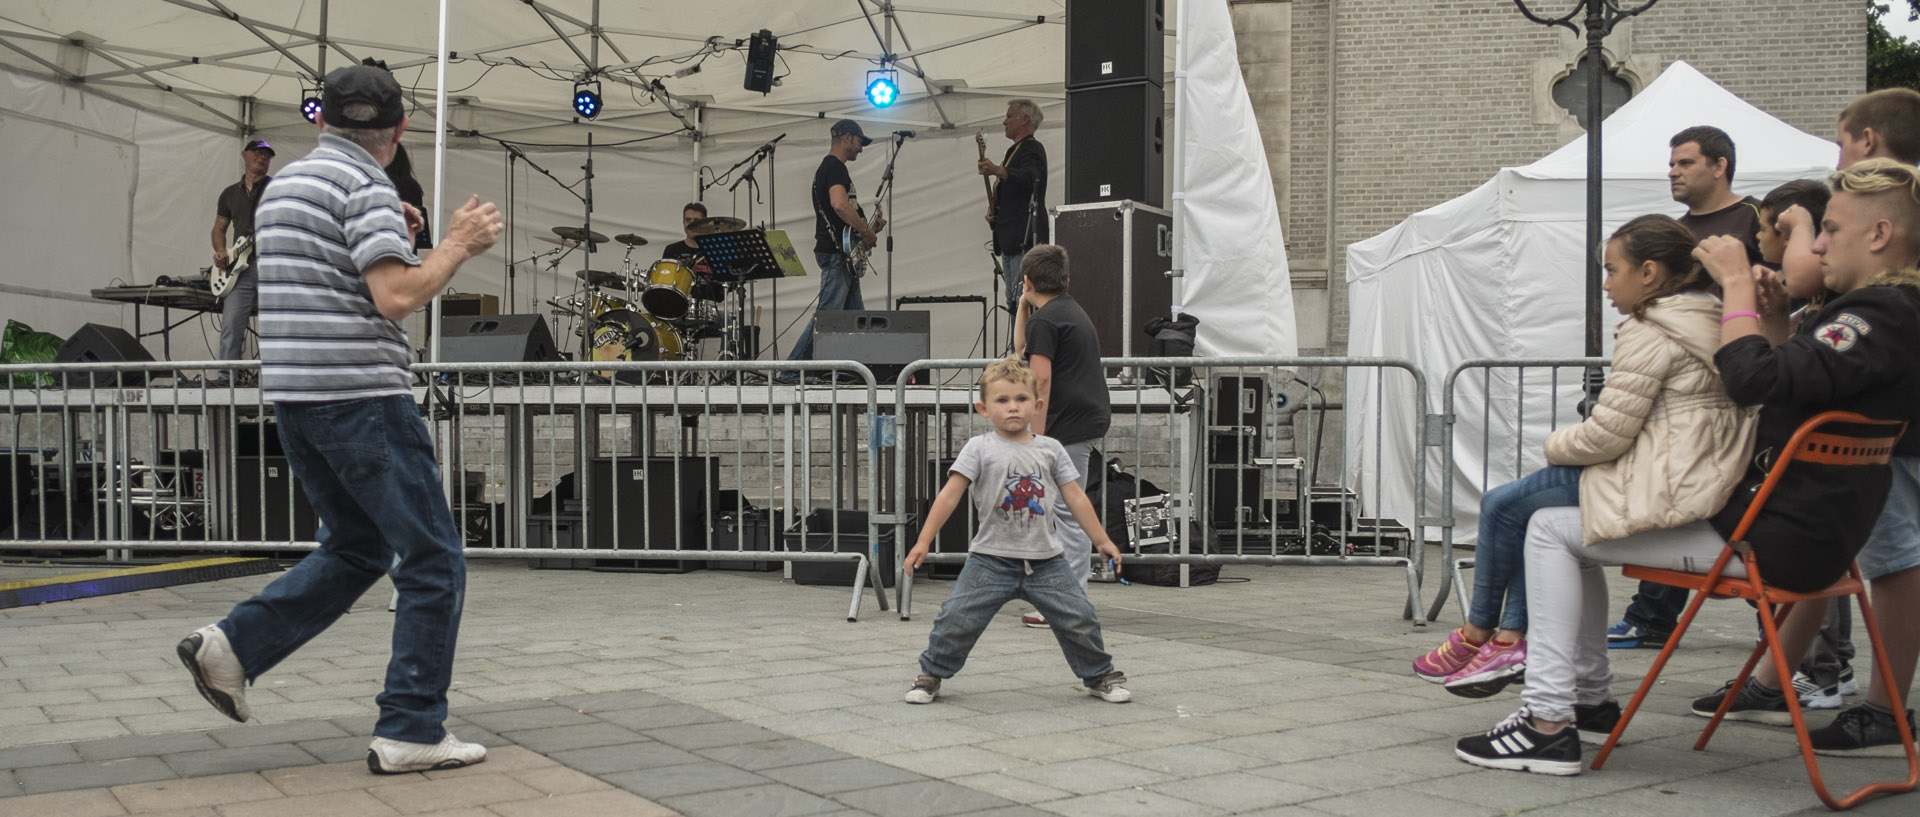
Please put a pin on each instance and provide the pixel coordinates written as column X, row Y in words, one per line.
column 1894, row 544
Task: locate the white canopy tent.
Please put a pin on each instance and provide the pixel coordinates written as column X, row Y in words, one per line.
column 113, row 111
column 1496, row 273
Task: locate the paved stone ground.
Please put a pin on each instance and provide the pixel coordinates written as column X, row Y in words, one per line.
column 1284, row 691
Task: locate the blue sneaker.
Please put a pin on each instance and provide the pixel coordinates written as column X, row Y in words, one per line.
column 1626, row 636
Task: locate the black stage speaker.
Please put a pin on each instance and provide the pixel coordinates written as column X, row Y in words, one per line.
column 99, row 343
column 1115, row 41
column 760, row 50
column 496, row 339
column 648, row 488
column 1119, row 274
column 852, row 538
column 266, row 492
column 883, row 341
column 1239, row 406
column 1115, row 143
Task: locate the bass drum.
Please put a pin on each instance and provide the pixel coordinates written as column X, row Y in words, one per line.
column 623, row 334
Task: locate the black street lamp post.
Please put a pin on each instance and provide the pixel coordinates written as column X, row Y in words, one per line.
column 1601, row 17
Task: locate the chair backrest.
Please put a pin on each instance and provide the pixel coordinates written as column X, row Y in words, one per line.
column 1863, row 441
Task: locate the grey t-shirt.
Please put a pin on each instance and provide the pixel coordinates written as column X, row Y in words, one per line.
column 1013, row 491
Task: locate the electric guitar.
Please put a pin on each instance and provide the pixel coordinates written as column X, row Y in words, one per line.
column 980, row 140
column 239, row 259
column 856, row 251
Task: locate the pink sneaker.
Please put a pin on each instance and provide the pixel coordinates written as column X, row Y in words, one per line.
column 1491, row 670
column 1446, row 659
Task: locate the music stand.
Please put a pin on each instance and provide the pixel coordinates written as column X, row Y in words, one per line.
column 747, row 255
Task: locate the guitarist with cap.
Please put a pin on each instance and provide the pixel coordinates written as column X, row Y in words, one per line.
column 1017, row 193
column 842, row 235
column 233, row 277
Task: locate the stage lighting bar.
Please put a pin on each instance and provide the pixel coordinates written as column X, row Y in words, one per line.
column 883, row 87
column 310, row 106
column 586, row 98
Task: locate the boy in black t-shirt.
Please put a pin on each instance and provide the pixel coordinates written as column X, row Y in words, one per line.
column 1059, row 342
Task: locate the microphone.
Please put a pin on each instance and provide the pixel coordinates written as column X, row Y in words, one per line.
column 904, row 134
column 768, row 147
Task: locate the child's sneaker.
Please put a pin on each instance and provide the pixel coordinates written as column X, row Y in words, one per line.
column 388, row 756
column 1755, row 704
column 1108, row 688
column 1514, row 745
column 1813, row 695
column 1445, row 660
column 1491, row 670
column 925, row 689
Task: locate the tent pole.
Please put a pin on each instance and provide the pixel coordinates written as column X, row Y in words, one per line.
column 439, row 177
column 1179, row 197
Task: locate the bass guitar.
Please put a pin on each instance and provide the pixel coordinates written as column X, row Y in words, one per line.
column 851, row 245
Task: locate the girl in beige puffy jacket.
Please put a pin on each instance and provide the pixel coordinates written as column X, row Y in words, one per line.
column 1664, row 446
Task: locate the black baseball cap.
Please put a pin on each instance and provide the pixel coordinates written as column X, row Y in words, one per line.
column 846, row 126
column 360, row 83
column 259, row 145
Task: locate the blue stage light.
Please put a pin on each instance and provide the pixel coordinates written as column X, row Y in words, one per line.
column 882, row 89
column 310, row 107
column 586, row 99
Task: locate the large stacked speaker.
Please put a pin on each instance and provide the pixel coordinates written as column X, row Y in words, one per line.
column 1115, row 130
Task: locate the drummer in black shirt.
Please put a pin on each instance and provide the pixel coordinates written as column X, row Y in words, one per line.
column 688, row 250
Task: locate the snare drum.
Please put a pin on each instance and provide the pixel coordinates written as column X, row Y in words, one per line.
column 669, row 289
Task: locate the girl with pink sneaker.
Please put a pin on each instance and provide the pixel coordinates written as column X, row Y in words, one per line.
column 1663, row 447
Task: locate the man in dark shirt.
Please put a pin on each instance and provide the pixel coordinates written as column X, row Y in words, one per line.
column 235, row 209
column 1019, row 194
column 836, row 207
column 1058, row 340
column 1700, row 170
column 687, row 251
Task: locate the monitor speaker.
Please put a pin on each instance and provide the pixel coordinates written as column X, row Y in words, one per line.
column 99, row 343
column 1116, row 143
column 1112, row 41
column 883, row 341
column 496, row 339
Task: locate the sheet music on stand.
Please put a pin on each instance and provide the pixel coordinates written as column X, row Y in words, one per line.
column 751, row 255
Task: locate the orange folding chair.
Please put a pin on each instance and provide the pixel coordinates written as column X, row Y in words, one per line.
column 1864, row 443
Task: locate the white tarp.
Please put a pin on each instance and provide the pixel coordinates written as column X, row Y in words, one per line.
column 1233, row 253
column 1495, row 273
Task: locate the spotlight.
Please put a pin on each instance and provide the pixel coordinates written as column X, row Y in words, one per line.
column 883, row 87
column 310, row 106
column 586, row 98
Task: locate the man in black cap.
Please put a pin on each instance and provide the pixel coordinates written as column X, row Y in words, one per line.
column 338, row 274
column 234, row 209
column 836, row 207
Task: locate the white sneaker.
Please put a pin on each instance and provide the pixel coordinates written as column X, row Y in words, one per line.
column 216, row 671
column 387, row 756
column 1109, row 688
column 925, row 689
column 1848, row 686
column 1814, row 696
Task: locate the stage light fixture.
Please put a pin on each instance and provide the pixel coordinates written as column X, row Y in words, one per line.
column 760, row 50
column 883, row 87
column 310, row 107
column 586, row 98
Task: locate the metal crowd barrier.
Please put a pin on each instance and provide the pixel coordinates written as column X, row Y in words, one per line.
column 149, row 460
column 1236, row 483
column 1534, row 407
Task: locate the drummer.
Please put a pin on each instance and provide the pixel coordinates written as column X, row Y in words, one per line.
column 687, row 252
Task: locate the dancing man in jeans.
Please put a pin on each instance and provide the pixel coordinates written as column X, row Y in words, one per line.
column 337, row 276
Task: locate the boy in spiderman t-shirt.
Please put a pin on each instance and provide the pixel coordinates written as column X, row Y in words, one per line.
column 1012, row 475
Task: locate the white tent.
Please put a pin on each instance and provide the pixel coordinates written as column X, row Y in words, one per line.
column 123, row 119
column 1495, row 273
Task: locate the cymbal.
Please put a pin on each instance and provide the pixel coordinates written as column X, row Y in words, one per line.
column 631, row 239
column 578, row 234
column 564, row 242
column 716, row 224
column 601, row 278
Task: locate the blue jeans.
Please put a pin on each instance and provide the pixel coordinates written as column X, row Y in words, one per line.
column 1656, row 607
column 838, row 290
column 987, row 583
column 1010, row 273
column 239, row 307
column 1075, row 544
column 367, row 466
column 1499, row 571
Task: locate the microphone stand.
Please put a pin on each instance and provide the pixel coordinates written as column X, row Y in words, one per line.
column 744, row 290
column 885, row 194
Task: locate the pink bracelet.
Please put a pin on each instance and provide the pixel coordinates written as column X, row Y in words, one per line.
column 1741, row 314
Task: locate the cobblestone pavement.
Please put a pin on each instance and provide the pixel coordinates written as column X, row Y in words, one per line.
column 1281, row 691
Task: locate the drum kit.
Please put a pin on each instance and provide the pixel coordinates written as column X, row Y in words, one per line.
column 645, row 312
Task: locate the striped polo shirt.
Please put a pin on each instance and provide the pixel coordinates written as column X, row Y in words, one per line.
column 326, row 219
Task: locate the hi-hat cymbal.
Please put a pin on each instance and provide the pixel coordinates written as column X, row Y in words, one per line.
column 716, row 224
column 602, row 278
column 578, row 234
column 564, row 242
column 631, row 239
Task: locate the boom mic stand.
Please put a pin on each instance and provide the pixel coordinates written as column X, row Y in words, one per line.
column 885, row 194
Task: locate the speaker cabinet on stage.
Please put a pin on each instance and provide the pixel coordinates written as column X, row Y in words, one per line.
column 469, row 303
column 852, row 539
column 99, row 343
column 1115, row 41
column 884, row 341
column 1115, row 143
column 272, row 507
column 653, row 493
column 496, row 339
column 1118, row 254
